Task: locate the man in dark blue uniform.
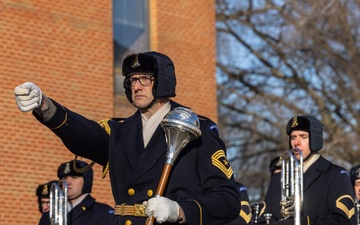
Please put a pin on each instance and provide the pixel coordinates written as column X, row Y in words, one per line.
column 355, row 180
column 201, row 187
column 327, row 191
column 43, row 195
column 82, row 207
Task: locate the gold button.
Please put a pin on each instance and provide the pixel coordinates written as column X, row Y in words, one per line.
column 127, row 222
column 131, row 191
column 150, row 193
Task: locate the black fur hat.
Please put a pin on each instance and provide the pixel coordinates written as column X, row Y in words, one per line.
column 67, row 169
column 308, row 124
column 153, row 63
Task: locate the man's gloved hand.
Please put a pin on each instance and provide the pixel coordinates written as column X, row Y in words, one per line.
column 28, row 96
column 163, row 209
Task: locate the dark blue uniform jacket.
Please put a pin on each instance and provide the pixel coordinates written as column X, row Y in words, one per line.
column 201, row 179
column 328, row 195
column 88, row 212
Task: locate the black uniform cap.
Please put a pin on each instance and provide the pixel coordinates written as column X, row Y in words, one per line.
column 67, row 169
column 355, row 173
column 308, row 124
column 275, row 164
column 43, row 191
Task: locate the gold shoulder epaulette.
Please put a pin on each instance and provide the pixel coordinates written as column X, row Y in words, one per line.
column 104, row 124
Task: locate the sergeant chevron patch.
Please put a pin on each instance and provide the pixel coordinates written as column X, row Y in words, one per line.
column 219, row 160
column 245, row 215
column 346, row 204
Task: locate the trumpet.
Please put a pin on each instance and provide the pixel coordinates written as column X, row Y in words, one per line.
column 58, row 203
column 357, row 210
column 292, row 185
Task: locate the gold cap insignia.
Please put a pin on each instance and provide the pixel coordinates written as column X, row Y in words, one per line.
column 136, row 62
column 45, row 190
column 294, row 122
column 67, row 168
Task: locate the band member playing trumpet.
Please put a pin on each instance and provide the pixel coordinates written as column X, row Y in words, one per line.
column 82, row 207
column 43, row 194
column 327, row 191
column 355, row 180
column 201, row 187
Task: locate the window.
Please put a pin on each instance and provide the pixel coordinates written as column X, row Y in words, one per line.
column 131, row 34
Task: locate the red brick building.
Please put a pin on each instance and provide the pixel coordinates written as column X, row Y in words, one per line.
column 67, row 49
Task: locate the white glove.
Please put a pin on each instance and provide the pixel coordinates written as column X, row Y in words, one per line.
column 28, row 96
column 163, row 209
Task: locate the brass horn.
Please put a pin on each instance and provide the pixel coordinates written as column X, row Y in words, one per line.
column 58, row 203
column 357, row 212
column 292, row 185
column 181, row 126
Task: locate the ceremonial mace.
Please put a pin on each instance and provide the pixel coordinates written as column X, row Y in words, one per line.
column 181, row 126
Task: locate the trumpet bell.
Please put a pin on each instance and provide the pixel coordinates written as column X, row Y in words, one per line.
column 58, row 203
column 292, row 185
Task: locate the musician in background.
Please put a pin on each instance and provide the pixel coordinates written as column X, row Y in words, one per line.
column 43, row 195
column 275, row 165
column 328, row 194
column 355, row 180
column 245, row 212
column 201, row 188
column 82, row 207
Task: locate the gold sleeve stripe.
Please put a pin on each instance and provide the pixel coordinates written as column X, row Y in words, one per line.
column 243, row 214
column 343, row 207
column 200, row 209
column 222, row 165
column 61, row 123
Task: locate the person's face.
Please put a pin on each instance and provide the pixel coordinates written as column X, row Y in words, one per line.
column 75, row 185
column 300, row 139
column 45, row 204
column 141, row 93
column 357, row 189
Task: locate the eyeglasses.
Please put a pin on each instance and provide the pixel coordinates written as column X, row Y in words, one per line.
column 45, row 203
column 143, row 80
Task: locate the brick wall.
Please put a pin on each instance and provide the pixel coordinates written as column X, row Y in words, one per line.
column 66, row 49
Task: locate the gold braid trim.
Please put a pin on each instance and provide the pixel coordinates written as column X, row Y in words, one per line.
column 104, row 124
column 200, row 209
column 262, row 210
column 61, row 123
column 84, row 169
